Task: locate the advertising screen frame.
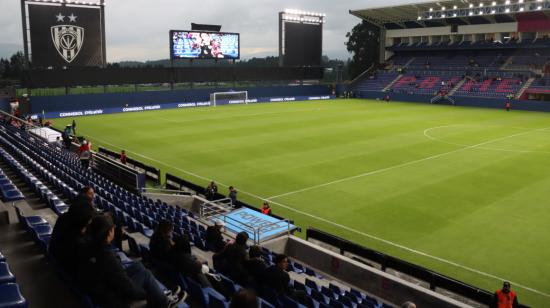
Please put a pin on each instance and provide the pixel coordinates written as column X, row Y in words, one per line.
column 173, row 57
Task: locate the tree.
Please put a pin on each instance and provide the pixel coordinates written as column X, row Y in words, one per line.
column 18, row 64
column 363, row 42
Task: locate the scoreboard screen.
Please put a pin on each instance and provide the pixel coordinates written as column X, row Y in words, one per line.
column 204, row 45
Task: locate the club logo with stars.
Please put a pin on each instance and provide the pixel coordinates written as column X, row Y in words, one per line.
column 67, row 38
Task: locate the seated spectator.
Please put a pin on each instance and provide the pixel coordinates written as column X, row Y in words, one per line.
column 211, row 191
column 277, row 278
column 68, row 238
column 176, row 253
column 266, row 210
column 244, row 298
column 108, row 282
column 214, row 238
column 255, row 266
column 235, row 256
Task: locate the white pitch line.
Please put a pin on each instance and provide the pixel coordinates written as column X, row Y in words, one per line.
column 412, row 162
column 374, row 237
column 427, row 135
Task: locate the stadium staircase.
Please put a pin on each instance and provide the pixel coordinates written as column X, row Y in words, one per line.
column 458, row 86
column 409, row 62
column 394, row 81
column 526, row 86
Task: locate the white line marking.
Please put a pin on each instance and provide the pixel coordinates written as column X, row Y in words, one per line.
column 377, row 171
column 427, row 135
column 374, row 237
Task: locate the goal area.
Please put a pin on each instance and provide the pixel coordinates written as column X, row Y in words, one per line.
column 227, row 98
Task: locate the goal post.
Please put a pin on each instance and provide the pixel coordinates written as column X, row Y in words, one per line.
column 228, row 98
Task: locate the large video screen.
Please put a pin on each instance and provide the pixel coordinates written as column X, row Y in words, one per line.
column 204, row 45
column 65, row 35
column 303, row 44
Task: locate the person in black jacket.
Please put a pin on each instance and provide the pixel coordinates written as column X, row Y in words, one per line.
column 68, row 236
column 109, row 283
column 277, row 278
column 176, row 253
column 214, row 238
column 211, row 191
column 235, row 256
column 255, row 266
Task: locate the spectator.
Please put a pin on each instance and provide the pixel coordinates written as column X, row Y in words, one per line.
column 85, row 153
column 244, row 298
column 73, row 127
column 211, row 191
column 505, row 298
column 58, row 142
column 123, row 157
column 255, row 266
column 235, row 256
column 108, row 282
column 176, row 253
column 233, row 196
column 214, row 238
column 266, row 210
column 66, row 140
column 277, row 278
column 68, row 237
column 508, row 105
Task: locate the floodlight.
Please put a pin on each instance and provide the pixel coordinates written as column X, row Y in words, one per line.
column 443, row 8
column 507, row 2
column 520, row 1
column 539, row 7
column 442, row 15
column 431, row 9
column 471, row 13
column 507, row 10
column 454, row 15
column 471, row 5
column 481, row 5
column 419, row 18
column 494, row 3
column 493, row 11
column 521, row 9
column 455, row 7
column 480, row 13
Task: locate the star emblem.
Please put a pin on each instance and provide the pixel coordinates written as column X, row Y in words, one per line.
column 60, row 17
column 72, row 17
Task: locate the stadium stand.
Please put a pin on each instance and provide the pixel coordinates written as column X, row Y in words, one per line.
column 55, row 175
column 432, row 52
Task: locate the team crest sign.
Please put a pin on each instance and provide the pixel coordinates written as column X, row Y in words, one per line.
column 67, row 40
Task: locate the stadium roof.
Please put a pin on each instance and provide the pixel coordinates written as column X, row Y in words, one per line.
column 420, row 12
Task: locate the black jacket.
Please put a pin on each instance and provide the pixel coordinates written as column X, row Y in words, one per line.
column 105, row 279
column 214, row 239
column 277, row 279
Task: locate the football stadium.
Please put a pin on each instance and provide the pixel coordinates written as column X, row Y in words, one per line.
column 420, row 180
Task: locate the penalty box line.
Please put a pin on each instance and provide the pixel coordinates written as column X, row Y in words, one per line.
column 374, row 237
column 382, row 170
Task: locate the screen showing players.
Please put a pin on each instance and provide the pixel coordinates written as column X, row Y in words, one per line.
column 204, row 45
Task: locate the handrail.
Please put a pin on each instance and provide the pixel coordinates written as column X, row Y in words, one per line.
column 356, row 79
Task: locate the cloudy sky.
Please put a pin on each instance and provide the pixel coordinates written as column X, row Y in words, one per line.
column 138, row 29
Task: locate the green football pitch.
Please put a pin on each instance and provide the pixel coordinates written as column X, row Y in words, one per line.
column 462, row 191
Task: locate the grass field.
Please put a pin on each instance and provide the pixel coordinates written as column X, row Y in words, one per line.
column 463, row 191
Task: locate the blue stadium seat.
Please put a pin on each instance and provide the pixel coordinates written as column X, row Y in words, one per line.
column 290, row 303
column 10, row 296
column 216, row 301
column 5, row 273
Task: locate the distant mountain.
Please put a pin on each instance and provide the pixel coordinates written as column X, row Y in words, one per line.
column 7, row 50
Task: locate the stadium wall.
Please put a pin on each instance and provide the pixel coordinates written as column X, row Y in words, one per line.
column 68, row 103
column 462, row 101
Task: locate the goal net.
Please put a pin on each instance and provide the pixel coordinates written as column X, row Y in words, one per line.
column 225, row 98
